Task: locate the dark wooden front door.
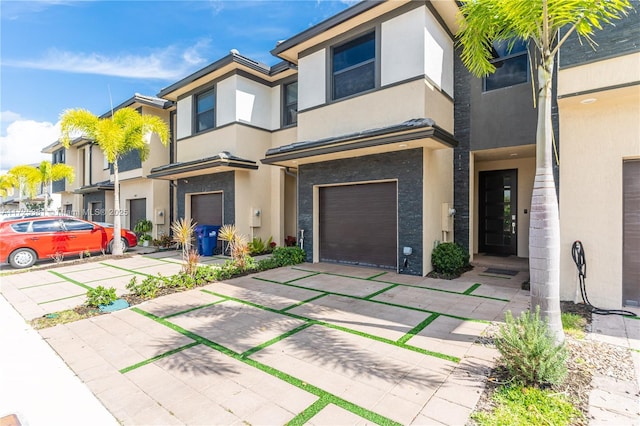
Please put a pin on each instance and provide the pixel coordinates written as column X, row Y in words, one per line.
column 498, row 227
column 631, row 234
column 358, row 224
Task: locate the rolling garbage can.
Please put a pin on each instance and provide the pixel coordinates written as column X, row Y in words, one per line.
column 209, row 239
column 199, row 231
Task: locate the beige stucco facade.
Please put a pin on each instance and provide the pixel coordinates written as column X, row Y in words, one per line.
column 599, row 130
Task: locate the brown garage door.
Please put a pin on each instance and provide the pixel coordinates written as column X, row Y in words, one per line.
column 206, row 209
column 358, row 224
column 631, row 234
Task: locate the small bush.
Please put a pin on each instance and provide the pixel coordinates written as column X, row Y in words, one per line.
column 267, row 263
column 529, row 352
column 101, row 296
column 147, row 289
column 258, row 246
column 449, row 258
column 285, row 256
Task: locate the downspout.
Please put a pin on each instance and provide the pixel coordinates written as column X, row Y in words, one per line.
column 288, row 172
column 90, row 164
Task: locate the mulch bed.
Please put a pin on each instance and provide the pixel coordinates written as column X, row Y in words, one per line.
column 586, row 359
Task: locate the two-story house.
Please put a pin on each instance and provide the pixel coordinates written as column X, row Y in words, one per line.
column 91, row 194
column 346, row 144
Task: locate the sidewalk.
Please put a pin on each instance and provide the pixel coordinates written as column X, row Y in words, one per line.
column 37, row 385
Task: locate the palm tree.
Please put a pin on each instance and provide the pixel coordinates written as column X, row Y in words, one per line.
column 484, row 22
column 126, row 130
column 8, row 183
column 25, row 181
column 50, row 172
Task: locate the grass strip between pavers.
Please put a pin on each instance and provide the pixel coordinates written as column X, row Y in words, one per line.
column 418, row 328
column 312, row 274
column 157, row 357
column 40, row 285
column 175, row 314
column 305, row 415
column 342, row 403
column 109, row 278
column 164, row 259
column 341, row 328
column 380, row 291
column 402, row 284
column 71, row 280
column 375, row 276
column 472, row 288
column 62, row 298
column 295, row 305
column 133, row 271
column 381, row 302
column 275, row 340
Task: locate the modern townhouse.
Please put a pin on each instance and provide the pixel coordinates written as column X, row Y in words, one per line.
column 371, row 143
column 91, row 194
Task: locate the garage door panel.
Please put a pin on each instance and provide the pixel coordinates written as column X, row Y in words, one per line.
column 206, row 209
column 631, row 237
column 358, row 224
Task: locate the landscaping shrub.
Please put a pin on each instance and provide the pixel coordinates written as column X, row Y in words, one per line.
column 267, row 263
column 449, row 258
column 101, row 296
column 257, row 246
column 147, row 289
column 529, row 352
column 284, row 256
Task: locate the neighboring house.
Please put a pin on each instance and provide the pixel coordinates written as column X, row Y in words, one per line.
column 90, row 196
column 598, row 147
column 227, row 115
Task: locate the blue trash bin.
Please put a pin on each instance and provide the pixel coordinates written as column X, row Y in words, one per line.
column 199, row 231
column 209, row 239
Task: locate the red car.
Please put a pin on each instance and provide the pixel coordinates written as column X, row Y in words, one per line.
column 24, row 241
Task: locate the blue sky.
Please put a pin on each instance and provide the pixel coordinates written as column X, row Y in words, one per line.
column 57, row 54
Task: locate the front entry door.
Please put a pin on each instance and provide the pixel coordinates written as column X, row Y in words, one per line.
column 498, row 212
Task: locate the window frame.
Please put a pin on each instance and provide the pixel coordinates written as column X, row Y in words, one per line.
column 508, row 57
column 195, row 113
column 376, row 60
column 284, row 106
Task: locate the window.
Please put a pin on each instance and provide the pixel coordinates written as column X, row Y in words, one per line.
column 21, row 226
column 58, row 157
column 512, row 65
column 77, row 225
column 105, row 163
column 290, row 104
column 205, row 111
column 354, row 66
column 47, row 226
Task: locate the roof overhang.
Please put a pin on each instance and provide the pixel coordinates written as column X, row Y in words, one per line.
column 76, row 142
column 417, row 133
column 139, row 100
column 228, row 64
column 96, row 187
column 222, row 162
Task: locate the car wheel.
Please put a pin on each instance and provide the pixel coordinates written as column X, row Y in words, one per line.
column 23, row 258
column 125, row 245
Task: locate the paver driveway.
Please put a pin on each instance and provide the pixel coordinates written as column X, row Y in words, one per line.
column 315, row 343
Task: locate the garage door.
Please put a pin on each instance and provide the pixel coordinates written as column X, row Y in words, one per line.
column 358, row 224
column 631, row 234
column 206, row 209
column 137, row 211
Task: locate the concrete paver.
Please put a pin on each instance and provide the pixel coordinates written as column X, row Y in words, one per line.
column 259, row 357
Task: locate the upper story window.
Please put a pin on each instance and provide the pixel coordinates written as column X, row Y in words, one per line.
column 105, row 163
column 205, row 110
column 512, row 65
column 58, row 157
column 354, row 66
column 290, row 104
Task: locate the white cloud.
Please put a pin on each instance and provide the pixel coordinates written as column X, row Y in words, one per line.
column 24, row 141
column 9, row 116
column 170, row 63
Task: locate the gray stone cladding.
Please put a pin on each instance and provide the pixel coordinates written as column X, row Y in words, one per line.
column 405, row 166
column 224, row 182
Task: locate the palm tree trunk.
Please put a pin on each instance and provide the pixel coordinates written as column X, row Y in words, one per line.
column 544, row 231
column 117, row 243
column 47, row 184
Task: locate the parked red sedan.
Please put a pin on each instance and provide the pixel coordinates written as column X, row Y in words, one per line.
column 24, row 241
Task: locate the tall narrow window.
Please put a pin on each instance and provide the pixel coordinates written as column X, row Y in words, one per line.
column 290, row 104
column 354, row 66
column 512, row 65
column 205, row 110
